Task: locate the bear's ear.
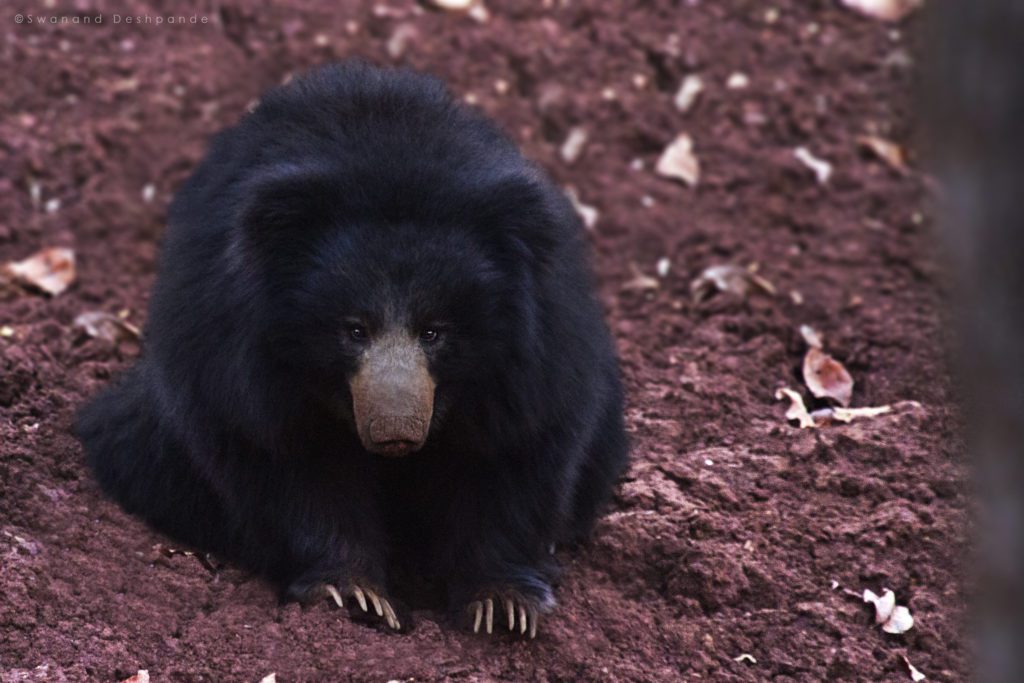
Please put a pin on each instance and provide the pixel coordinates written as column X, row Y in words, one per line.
column 285, row 204
column 532, row 218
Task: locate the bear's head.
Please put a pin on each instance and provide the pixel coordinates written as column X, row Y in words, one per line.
column 399, row 303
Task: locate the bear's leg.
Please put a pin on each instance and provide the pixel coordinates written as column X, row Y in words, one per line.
column 311, row 528
column 140, row 466
column 493, row 545
column 312, row 524
column 336, row 550
column 607, row 457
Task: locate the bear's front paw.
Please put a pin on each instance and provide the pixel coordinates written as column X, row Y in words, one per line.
column 367, row 595
column 361, row 591
column 520, row 610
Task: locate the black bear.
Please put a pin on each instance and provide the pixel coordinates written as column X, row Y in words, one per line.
column 373, row 340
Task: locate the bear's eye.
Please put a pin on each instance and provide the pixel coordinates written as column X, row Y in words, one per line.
column 429, row 335
column 357, row 332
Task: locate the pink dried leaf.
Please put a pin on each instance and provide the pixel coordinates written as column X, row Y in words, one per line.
column 826, row 377
column 50, row 270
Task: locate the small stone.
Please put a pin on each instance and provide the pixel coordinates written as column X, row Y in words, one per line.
column 679, row 162
column 689, row 90
column 737, row 81
column 574, row 143
column 664, row 265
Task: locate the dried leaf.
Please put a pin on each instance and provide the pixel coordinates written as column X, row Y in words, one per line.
column 821, row 168
column 401, row 38
column 915, row 675
column 797, row 410
column 848, row 415
column 812, row 337
column 51, row 270
column 901, row 621
column 475, row 9
column 825, row 416
column 640, row 282
column 886, row 150
column 453, row 5
column 886, row 10
column 826, row 377
column 884, row 604
column 690, row 89
column 679, row 162
column 893, row 618
column 587, row 213
column 141, row 677
column 105, row 326
column 269, row 678
column 728, row 278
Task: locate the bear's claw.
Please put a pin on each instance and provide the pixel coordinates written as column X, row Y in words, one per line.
column 381, row 605
column 526, row 610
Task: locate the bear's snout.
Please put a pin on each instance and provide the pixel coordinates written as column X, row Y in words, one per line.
column 393, row 396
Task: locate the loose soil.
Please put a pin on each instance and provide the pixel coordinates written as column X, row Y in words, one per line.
column 730, row 528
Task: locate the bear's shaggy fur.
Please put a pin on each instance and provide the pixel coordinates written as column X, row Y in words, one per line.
column 357, row 193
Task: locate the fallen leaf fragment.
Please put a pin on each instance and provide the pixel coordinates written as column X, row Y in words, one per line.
column 679, row 162
column 689, row 90
column 50, row 270
column 847, row 415
column 826, row 377
column 797, row 410
column 474, row 8
column 401, row 38
column 269, row 678
column 884, row 604
column 812, row 337
column 640, row 282
column 915, row 675
column 886, row 10
column 101, row 325
column 825, row 416
column 886, row 150
column 901, row 621
column 737, row 81
column 664, row 265
column 729, row 278
column 453, row 5
column 822, row 169
column 141, row 677
column 891, row 617
column 573, row 145
column 587, row 213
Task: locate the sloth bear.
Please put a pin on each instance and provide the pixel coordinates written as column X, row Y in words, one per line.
column 373, row 341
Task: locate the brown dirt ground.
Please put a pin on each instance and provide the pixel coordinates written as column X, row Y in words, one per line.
column 731, row 525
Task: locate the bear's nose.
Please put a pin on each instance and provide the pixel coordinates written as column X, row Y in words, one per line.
column 397, row 435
